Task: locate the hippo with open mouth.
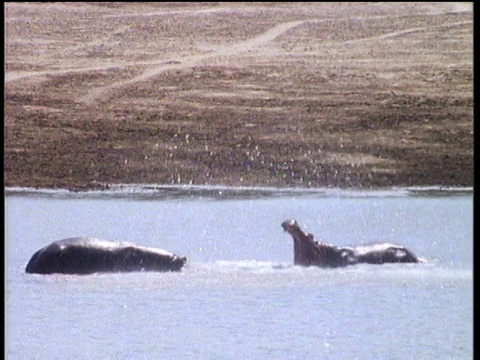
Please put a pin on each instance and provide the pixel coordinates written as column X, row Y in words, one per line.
column 309, row 252
column 87, row 256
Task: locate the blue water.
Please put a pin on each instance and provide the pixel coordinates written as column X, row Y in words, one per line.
column 240, row 295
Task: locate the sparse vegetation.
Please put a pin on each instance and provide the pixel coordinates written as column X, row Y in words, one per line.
column 309, row 95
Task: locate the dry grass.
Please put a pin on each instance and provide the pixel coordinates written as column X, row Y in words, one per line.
column 281, row 94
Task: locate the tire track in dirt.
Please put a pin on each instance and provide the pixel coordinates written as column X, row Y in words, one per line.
column 244, row 46
column 155, row 68
column 191, row 61
column 403, row 32
column 172, row 12
column 19, row 75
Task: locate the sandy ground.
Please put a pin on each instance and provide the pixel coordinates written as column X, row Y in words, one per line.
column 268, row 94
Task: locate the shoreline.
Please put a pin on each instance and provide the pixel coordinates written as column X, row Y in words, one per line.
column 154, row 191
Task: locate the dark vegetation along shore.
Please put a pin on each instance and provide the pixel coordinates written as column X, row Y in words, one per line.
column 359, row 95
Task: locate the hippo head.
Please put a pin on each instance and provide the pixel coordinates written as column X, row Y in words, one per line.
column 305, row 251
column 292, row 227
column 178, row 262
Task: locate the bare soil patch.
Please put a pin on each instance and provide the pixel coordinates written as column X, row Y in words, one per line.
column 268, row 94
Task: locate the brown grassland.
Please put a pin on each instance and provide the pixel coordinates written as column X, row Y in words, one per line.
column 358, row 95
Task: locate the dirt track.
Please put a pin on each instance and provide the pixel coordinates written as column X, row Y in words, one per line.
column 309, row 95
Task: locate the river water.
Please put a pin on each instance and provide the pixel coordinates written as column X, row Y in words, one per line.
column 240, row 295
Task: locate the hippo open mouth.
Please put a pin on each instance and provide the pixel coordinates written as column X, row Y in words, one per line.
column 310, row 252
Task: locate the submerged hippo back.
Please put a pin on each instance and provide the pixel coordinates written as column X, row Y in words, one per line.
column 388, row 254
column 70, row 260
column 87, row 256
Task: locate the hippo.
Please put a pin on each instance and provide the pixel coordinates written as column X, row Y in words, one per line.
column 309, row 252
column 79, row 255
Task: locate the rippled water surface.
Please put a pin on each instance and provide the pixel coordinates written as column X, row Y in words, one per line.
column 240, row 296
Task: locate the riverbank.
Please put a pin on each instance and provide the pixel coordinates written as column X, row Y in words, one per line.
column 239, row 95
